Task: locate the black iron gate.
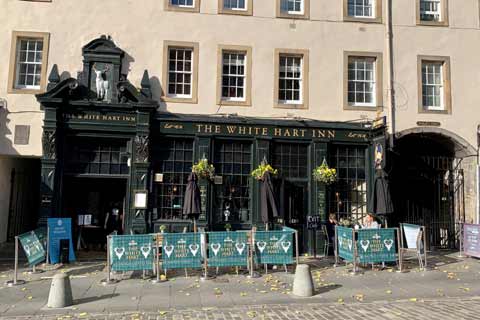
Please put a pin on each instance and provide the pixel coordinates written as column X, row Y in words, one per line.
column 431, row 193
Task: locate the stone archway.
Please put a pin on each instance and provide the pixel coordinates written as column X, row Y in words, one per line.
column 433, row 182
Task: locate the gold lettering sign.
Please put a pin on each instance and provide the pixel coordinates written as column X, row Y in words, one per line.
column 100, row 117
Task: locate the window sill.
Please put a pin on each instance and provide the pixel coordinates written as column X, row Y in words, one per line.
column 351, row 107
column 192, row 100
column 285, row 15
column 427, row 111
column 290, row 105
column 239, row 103
column 432, row 23
column 363, row 20
column 25, row 91
column 235, row 12
column 170, row 7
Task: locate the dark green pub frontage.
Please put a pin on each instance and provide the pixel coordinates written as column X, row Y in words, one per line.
column 111, row 147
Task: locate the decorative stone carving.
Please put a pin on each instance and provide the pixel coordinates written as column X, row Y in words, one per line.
column 49, row 144
column 141, row 149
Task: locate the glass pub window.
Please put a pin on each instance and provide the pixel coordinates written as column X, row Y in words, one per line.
column 29, row 63
column 430, row 10
column 361, row 8
column 233, row 162
column 361, row 81
column 97, row 157
column 292, row 6
column 176, row 160
column 291, row 160
column 182, row 3
column 432, row 86
column 290, row 79
column 351, row 185
column 235, row 4
column 180, row 72
column 233, row 76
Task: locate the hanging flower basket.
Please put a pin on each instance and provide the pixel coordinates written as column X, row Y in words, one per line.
column 325, row 174
column 204, row 170
column 262, row 168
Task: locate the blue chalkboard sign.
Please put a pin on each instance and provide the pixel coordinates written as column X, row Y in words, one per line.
column 59, row 229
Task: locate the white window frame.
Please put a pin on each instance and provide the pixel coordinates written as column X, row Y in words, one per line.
column 191, row 72
column 182, row 5
column 441, row 85
column 372, row 82
column 433, row 13
column 18, row 63
column 236, row 9
column 373, row 9
column 302, row 7
column 301, row 79
column 244, row 76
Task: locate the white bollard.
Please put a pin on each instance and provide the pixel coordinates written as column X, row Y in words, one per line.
column 303, row 282
column 60, row 295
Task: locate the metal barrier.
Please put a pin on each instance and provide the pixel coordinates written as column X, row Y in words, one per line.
column 367, row 246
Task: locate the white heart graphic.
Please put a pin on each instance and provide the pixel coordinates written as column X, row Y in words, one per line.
column 146, row 250
column 350, row 243
column 365, row 244
column 168, row 250
column 194, row 249
column 261, row 245
column 240, row 247
column 27, row 250
column 286, row 245
column 119, row 252
column 388, row 243
column 215, row 248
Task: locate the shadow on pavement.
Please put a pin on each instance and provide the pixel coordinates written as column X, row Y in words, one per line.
column 95, row 298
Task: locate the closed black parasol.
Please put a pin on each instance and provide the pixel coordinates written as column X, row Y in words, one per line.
column 268, row 204
column 381, row 201
column 192, row 202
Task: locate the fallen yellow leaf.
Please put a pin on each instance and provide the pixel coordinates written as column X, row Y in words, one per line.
column 412, row 299
column 83, row 314
column 29, row 297
column 388, row 291
column 340, row 300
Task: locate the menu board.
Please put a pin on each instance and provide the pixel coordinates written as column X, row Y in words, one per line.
column 59, row 229
column 471, row 240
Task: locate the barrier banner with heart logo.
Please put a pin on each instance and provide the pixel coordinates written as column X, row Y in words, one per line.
column 227, row 249
column 33, row 247
column 274, row 247
column 376, row 245
column 345, row 243
column 181, row 250
column 132, row 252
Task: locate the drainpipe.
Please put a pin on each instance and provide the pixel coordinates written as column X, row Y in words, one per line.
column 390, row 73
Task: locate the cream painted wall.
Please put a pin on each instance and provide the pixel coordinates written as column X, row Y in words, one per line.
column 140, row 30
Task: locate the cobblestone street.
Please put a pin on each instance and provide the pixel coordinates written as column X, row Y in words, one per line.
column 430, row 309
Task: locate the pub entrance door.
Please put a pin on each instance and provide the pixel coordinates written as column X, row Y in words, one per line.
column 96, row 206
column 294, row 208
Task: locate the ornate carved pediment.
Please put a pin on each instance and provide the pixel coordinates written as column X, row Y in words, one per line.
column 100, row 82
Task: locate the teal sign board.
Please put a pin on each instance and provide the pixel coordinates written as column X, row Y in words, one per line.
column 181, row 250
column 33, row 247
column 274, row 247
column 345, row 243
column 132, row 252
column 227, row 249
column 59, row 229
column 376, row 245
